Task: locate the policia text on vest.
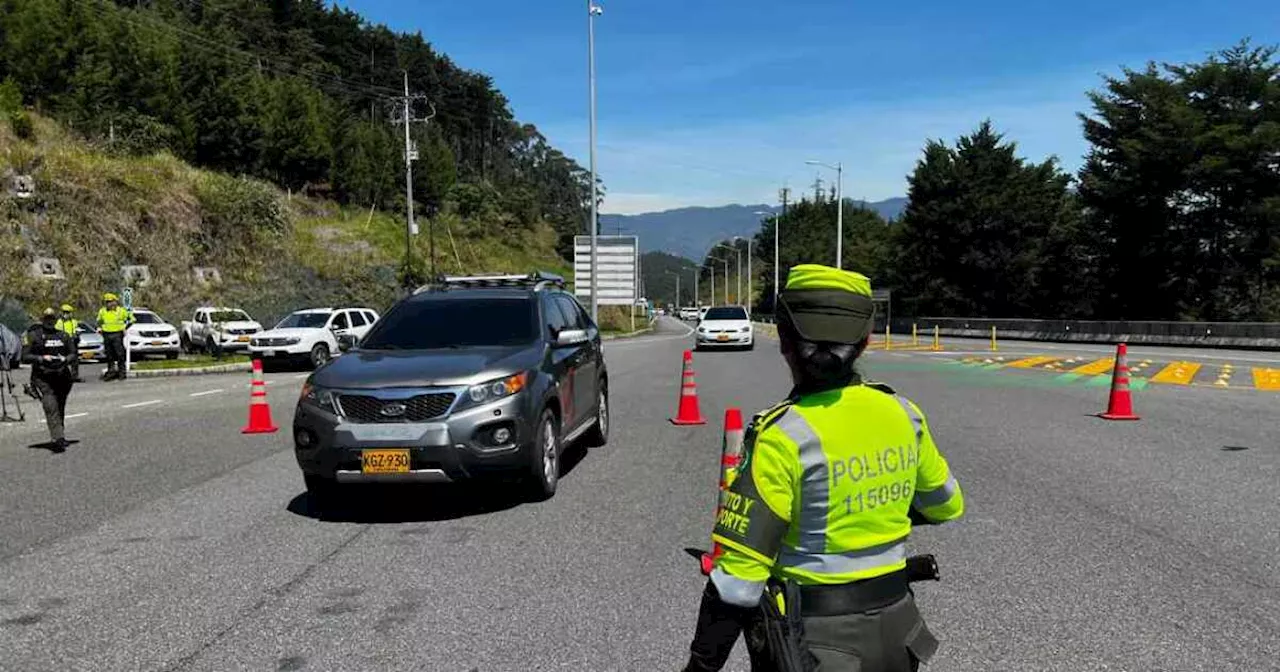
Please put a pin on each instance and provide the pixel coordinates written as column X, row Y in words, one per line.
column 812, row 565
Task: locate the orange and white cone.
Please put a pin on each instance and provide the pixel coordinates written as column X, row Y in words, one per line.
column 730, row 456
column 259, row 411
column 1120, row 405
column 688, row 412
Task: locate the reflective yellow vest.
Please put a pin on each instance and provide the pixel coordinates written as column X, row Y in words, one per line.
column 112, row 321
column 66, row 326
column 823, row 490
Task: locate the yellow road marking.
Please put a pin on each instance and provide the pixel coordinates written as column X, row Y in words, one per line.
column 1266, row 379
column 1032, row 362
column 1177, row 373
column 1096, row 367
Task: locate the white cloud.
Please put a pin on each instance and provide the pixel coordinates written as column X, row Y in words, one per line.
column 746, row 161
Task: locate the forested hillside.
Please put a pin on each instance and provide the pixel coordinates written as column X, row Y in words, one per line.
column 294, row 92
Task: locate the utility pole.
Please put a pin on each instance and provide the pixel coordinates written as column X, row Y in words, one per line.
column 404, row 116
column 593, row 10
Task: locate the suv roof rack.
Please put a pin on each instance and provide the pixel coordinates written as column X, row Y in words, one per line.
column 536, row 280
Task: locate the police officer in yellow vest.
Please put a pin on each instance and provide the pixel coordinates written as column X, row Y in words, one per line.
column 830, row 483
column 113, row 320
column 68, row 324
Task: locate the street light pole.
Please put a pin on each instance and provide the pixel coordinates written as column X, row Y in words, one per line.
column 777, row 222
column 592, row 11
column 839, row 168
column 677, row 303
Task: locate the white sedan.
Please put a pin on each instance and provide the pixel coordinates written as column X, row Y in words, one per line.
column 725, row 326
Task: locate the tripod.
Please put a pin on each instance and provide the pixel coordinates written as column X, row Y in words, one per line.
column 6, row 393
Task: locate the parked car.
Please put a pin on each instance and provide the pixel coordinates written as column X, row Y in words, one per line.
column 311, row 334
column 91, row 348
column 10, row 348
column 228, row 329
column 151, row 335
column 482, row 375
column 725, row 326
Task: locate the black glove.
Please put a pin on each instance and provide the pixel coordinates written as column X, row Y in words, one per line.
column 719, row 624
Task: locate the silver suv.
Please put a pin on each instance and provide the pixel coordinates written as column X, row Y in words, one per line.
column 472, row 376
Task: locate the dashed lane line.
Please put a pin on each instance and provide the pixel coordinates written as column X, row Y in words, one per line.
column 144, row 403
column 205, row 393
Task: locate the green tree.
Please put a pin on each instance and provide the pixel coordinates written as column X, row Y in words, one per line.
column 973, row 239
column 1181, row 188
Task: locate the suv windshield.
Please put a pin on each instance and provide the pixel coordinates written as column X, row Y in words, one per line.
column 450, row 323
column 229, row 316
column 146, row 318
column 726, row 313
column 304, row 321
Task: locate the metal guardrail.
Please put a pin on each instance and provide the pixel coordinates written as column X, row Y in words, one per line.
column 1243, row 335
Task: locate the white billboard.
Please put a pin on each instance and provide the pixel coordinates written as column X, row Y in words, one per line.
column 617, row 265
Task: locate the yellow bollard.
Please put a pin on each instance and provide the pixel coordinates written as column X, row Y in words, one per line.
column 888, row 342
column 937, row 340
column 915, row 337
column 993, row 340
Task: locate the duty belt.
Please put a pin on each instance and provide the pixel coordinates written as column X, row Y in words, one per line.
column 854, row 598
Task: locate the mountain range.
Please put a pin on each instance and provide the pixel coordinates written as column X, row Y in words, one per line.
column 689, row 232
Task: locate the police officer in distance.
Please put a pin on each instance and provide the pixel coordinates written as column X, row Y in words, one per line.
column 831, row 481
column 113, row 320
column 50, row 352
column 68, row 323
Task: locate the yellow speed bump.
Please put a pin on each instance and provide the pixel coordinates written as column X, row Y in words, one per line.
column 1266, row 379
column 1096, row 367
column 1177, row 373
column 1032, row 362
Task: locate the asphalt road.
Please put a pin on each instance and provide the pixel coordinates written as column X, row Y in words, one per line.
column 166, row 540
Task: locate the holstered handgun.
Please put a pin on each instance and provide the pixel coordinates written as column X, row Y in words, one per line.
column 784, row 629
column 922, row 568
column 32, row 391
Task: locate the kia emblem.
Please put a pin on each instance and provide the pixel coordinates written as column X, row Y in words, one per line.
column 393, row 410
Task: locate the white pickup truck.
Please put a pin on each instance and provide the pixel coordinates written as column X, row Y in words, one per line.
column 227, row 328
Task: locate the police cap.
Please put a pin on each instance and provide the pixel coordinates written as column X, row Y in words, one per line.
column 109, row 297
column 66, row 308
column 49, row 312
column 826, row 304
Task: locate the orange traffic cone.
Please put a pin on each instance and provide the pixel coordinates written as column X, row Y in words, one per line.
column 730, row 455
column 688, row 412
column 1120, row 406
column 259, row 411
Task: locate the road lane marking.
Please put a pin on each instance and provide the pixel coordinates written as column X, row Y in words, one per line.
column 144, row 403
column 1266, row 379
column 1177, row 373
column 300, row 376
column 1096, row 367
column 1032, row 362
column 206, row 392
column 74, row 415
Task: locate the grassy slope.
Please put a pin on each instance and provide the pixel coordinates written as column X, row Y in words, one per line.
column 275, row 252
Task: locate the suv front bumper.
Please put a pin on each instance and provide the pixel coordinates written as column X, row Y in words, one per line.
column 456, row 447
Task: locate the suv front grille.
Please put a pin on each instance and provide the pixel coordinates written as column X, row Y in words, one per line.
column 362, row 408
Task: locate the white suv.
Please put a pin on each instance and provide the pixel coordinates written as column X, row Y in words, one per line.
column 151, row 335
column 311, row 334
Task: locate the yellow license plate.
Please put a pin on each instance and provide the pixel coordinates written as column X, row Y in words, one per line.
column 722, row 337
column 385, row 461
column 86, row 354
column 243, row 339
column 157, row 342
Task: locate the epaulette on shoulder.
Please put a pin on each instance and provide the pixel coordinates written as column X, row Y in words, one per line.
column 762, row 420
column 879, row 386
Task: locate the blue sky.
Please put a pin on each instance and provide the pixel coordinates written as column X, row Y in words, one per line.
column 715, row 102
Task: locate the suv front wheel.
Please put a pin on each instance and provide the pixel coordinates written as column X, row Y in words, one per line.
column 598, row 435
column 544, row 463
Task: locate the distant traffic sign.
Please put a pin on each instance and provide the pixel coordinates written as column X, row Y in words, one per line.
column 617, row 261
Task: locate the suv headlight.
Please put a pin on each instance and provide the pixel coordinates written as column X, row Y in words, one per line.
column 319, row 397
column 745, row 329
column 495, row 389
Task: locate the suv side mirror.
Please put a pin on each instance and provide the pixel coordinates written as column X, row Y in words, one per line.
column 571, row 337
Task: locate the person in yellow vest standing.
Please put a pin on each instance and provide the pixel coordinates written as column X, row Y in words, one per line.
column 68, row 324
column 819, row 509
column 113, row 320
